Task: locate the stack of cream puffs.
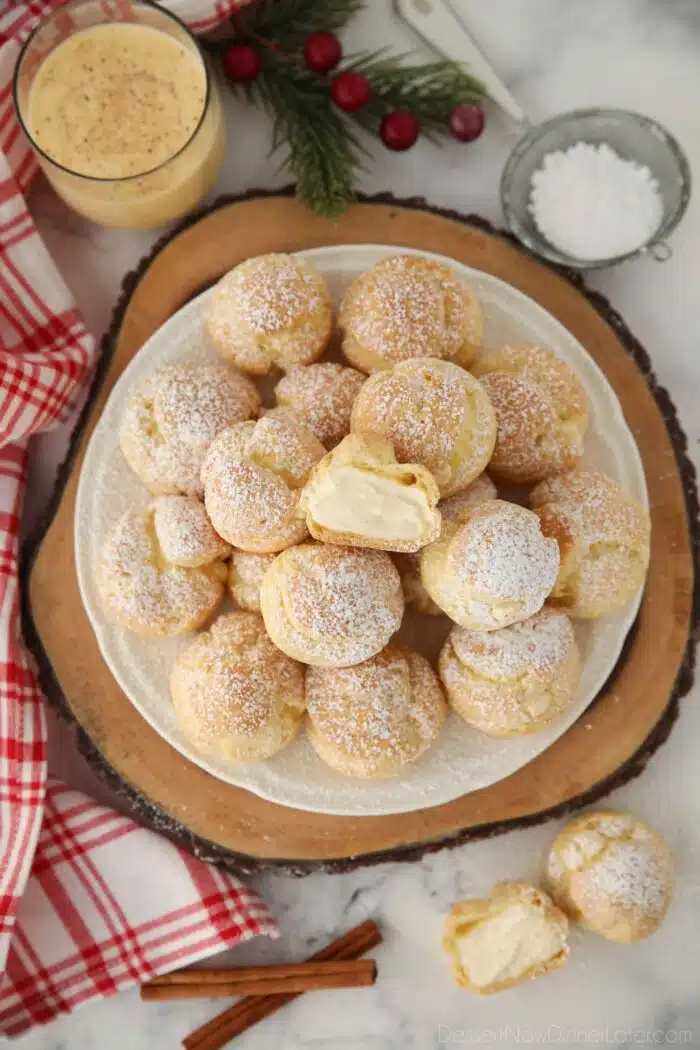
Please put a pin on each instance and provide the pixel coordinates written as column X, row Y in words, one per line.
column 369, row 486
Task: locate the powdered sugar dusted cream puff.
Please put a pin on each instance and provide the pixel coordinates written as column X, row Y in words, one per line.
column 493, row 568
column 374, row 719
column 270, row 313
column 610, row 872
column 513, row 935
column 358, row 495
column 320, row 397
column 236, row 695
column 145, row 592
column 603, row 536
column 252, row 475
column 407, row 307
column 513, row 681
column 331, row 606
column 173, row 417
column 434, row 413
column 541, row 409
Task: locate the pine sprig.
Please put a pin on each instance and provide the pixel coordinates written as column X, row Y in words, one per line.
column 322, row 150
column 321, row 144
column 429, row 90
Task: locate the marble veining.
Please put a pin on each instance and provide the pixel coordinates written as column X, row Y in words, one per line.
column 555, row 54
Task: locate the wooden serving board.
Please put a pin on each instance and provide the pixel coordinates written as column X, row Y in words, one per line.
column 607, row 746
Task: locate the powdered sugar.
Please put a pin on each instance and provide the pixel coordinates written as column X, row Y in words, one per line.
column 501, row 556
column 434, row 413
column 632, row 875
column 537, row 646
column 408, row 307
column 591, row 204
column 320, row 397
column 385, row 710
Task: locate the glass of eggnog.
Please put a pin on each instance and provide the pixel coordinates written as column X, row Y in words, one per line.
column 121, row 110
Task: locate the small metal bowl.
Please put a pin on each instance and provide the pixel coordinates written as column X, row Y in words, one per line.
column 633, row 137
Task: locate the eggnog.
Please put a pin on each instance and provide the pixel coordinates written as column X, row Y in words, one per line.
column 127, row 116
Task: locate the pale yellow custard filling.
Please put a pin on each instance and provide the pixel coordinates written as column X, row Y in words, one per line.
column 351, row 500
column 506, row 946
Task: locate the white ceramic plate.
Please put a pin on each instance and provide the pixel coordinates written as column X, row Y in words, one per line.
column 463, row 759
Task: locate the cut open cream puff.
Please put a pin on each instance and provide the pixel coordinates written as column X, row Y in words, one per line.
column 358, row 495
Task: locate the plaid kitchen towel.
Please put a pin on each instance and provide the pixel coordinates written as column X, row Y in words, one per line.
column 89, row 901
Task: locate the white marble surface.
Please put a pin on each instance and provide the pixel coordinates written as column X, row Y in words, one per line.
column 556, row 54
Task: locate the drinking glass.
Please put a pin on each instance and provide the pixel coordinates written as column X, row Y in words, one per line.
column 150, row 198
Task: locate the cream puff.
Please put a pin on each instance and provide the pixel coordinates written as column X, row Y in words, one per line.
column 374, row 719
column 173, row 417
column 145, row 592
column 270, row 313
column 405, row 307
column 513, row 681
column 434, row 413
column 513, row 935
column 252, row 476
column 184, row 532
column 541, row 409
column 236, row 696
column 610, row 872
column 331, row 606
column 603, row 536
column 358, row 495
column 492, row 569
column 320, row 397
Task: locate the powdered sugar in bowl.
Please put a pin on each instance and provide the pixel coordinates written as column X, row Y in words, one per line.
column 620, row 146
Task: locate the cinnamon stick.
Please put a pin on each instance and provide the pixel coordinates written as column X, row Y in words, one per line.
column 260, row 980
column 239, row 1018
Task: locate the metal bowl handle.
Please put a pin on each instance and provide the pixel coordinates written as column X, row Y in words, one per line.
column 660, row 251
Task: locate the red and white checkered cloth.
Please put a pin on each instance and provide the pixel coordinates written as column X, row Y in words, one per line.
column 89, row 901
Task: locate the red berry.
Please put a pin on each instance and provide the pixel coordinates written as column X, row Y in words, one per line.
column 322, row 52
column 466, row 122
column 241, row 63
column 350, row 91
column 399, row 130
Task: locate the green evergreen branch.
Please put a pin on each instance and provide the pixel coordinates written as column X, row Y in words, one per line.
column 322, row 145
column 322, row 149
column 429, row 90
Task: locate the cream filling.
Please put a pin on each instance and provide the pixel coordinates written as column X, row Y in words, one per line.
column 368, row 504
column 507, row 946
